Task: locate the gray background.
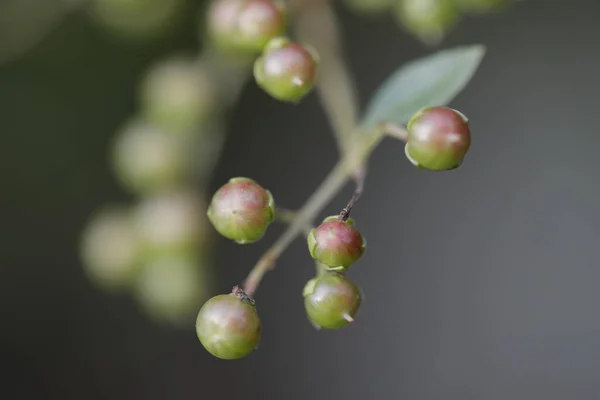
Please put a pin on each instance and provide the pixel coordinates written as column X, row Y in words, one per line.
column 480, row 283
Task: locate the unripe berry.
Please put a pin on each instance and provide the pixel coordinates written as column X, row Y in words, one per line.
column 336, row 243
column 110, row 248
column 241, row 210
column 331, row 301
column 286, row 70
column 145, row 159
column 177, row 94
column 228, row 326
column 136, row 19
column 429, row 20
column 171, row 222
column 169, row 287
column 480, row 6
column 438, row 138
column 369, row 6
column 245, row 25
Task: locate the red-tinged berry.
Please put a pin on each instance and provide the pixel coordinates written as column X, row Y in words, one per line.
column 438, row 139
column 287, row 70
column 331, row 301
column 336, row 243
column 241, row 210
column 228, row 326
column 245, row 25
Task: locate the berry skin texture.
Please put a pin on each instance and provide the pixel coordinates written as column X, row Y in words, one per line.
column 331, row 301
column 336, row 244
column 245, row 25
column 241, row 210
column 287, row 70
column 228, row 326
column 438, row 139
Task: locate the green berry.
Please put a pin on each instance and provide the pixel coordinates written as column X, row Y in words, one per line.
column 136, row 19
column 245, row 25
column 241, row 210
column 228, row 326
column 110, row 248
column 438, row 139
column 145, row 159
column 336, row 243
column 480, row 6
column 331, row 301
column 286, row 70
column 429, row 20
column 369, row 6
column 177, row 95
column 169, row 287
column 171, row 222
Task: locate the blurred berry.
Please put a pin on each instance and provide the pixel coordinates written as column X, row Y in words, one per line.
column 178, row 94
column 136, row 19
column 336, row 244
column 286, row 70
column 241, row 210
column 369, row 6
column 171, row 222
column 145, row 159
column 110, row 249
column 480, row 6
column 228, row 326
column 438, row 138
column 331, row 301
column 429, row 20
column 245, row 25
column 169, row 288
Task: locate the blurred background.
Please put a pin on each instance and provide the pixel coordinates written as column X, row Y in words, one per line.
column 479, row 284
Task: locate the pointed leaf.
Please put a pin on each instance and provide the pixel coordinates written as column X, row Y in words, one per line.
column 431, row 81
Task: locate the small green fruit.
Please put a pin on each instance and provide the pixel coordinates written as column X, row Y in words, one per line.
column 171, row 222
column 429, row 20
column 146, row 160
column 480, row 6
column 438, row 139
column 137, row 19
column 286, row 70
column 178, row 94
column 331, row 301
column 336, row 243
column 110, row 249
column 369, row 6
column 169, row 287
column 241, row 210
column 228, row 326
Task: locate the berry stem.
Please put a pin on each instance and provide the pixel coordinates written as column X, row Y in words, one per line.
column 359, row 178
column 394, row 131
column 287, row 217
column 345, row 169
column 318, row 26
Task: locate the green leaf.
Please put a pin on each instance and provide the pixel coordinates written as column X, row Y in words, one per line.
column 431, row 81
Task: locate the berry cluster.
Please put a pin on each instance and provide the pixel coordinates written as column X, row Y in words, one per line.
column 164, row 155
column 228, row 325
